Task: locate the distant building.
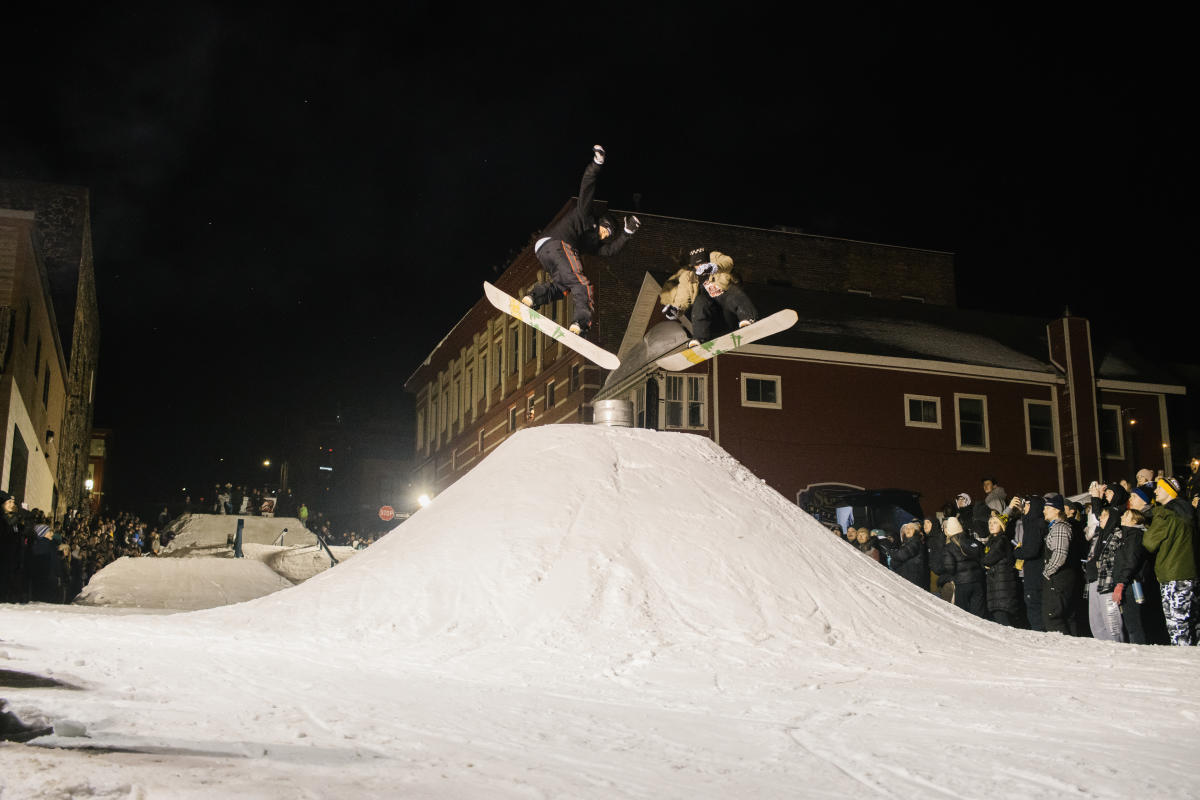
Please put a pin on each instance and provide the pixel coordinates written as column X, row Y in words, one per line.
column 49, row 342
column 883, row 383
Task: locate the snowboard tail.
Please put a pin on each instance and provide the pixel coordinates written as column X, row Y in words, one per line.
column 515, row 308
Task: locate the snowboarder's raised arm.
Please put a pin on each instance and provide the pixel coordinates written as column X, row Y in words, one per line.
column 587, row 187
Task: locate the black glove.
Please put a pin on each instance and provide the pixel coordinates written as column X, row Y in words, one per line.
column 670, row 312
column 598, row 154
column 632, row 223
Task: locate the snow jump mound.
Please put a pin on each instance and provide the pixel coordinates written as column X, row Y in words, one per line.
column 581, row 538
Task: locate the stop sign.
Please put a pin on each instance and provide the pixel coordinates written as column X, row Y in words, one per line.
column 387, row 513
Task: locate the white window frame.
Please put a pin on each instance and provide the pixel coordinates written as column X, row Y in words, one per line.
column 757, row 376
column 987, row 436
column 1029, row 429
column 937, row 403
column 702, row 381
column 1120, row 432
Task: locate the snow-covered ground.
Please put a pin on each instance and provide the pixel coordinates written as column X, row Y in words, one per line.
column 594, row 612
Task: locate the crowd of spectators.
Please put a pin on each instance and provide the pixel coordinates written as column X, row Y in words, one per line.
column 45, row 561
column 1118, row 564
column 48, row 561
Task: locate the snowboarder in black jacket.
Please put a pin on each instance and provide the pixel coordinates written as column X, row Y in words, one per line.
column 561, row 244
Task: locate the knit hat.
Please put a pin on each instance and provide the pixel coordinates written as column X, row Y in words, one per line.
column 1055, row 500
column 952, row 526
column 1169, row 485
column 963, row 496
column 4, row 497
column 603, row 222
column 1144, row 495
column 697, row 255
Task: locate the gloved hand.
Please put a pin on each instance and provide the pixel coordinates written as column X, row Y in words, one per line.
column 598, row 154
column 632, row 223
column 670, row 312
column 1118, row 593
column 705, row 269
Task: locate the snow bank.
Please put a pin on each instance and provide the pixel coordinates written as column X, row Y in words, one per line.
column 180, row 584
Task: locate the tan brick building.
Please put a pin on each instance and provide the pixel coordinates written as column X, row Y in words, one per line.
column 48, row 289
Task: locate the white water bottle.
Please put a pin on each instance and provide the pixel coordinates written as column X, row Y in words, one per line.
column 1139, row 596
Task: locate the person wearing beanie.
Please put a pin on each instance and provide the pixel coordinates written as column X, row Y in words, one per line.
column 1061, row 581
column 578, row 232
column 711, row 288
column 1170, row 538
column 961, row 564
column 1003, row 594
column 1029, row 535
column 866, row 543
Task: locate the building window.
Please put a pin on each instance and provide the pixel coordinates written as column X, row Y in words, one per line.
column 37, row 358
column 530, row 411
column 685, row 401
column 922, row 411
column 549, row 395
column 761, row 391
column 46, row 388
column 499, row 362
column 1112, row 443
column 479, row 443
column 514, row 339
column 972, row 424
column 512, row 418
column 639, row 406
column 420, row 428
column 573, row 381
column 1039, row 428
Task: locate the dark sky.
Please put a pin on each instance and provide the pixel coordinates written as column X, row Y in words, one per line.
column 290, row 209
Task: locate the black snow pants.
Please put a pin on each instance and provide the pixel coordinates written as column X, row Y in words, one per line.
column 565, row 270
column 713, row 316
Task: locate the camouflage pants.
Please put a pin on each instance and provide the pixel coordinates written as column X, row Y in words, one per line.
column 1179, row 610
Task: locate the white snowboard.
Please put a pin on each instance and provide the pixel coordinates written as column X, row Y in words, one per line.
column 514, row 307
column 779, row 321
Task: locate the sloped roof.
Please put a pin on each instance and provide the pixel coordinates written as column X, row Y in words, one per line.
column 852, row 323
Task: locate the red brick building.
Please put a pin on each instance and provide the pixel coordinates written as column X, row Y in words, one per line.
column 884, row 382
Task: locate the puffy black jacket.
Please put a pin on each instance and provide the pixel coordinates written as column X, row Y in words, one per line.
column 1132, row 562
column 961, row 560
column 999, row 566
column 911, row 561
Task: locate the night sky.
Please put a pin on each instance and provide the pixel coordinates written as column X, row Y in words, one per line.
column 291, row 209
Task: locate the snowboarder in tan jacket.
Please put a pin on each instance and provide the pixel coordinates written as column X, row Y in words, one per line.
column 711, row 289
